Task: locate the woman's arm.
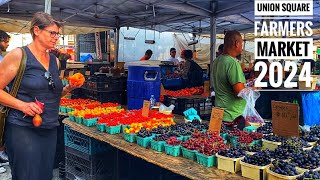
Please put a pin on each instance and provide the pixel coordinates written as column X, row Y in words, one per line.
column 9, row 68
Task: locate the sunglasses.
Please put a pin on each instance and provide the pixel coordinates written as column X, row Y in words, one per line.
column 53, row 34
column 48, row 77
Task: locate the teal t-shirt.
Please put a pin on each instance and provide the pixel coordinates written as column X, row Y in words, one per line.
column 226, row 73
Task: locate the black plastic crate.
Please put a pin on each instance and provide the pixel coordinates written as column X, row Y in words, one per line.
column 202, row 104
column 112, row 96
column 79, row 165
column 83, row 143
column 78, row 93
column 106, row 84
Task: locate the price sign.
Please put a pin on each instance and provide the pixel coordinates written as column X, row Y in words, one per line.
column 216, row 119
column 285, row 119
column 145, row 108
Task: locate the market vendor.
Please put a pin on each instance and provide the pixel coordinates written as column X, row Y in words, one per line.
column 172, row 57
column 192, row 71
column 147, row 55
column 229, row 80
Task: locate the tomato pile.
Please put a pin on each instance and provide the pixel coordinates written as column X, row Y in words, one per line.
column 136, row 121
column 185, row 92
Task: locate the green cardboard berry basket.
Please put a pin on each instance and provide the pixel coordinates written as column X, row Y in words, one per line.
column 172, row 150
column 157, row 145
column 129, row 137
column 113, row 129
column 123, row 126
column 63, row 109
column 90, row 122
column 207, row 161
column 101, row 127
column 72, row 118
column 189, row 154
column 79, row 119
column 144, row 142
column 68, row 109
column 185, row 138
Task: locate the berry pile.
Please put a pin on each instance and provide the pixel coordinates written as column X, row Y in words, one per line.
column 310, row 138
column 284, row 168
column 256, row 135
column 266, row 128
column 233, row 153
column 236, row 132
column 245, row 138
column 261, row 158
column 173, row 141
column 288, row 149
column 315, row 131
column 273, row 138
column 316, row 149
column 161, row 137
column 254, row 148
column 206, row 143
column 310, row 175
column 307, row 159
column 224, row 129
column 144, row 133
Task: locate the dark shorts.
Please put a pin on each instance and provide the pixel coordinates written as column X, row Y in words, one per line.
column 31, row 152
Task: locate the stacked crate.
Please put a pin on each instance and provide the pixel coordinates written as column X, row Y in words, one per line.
column 87, row 158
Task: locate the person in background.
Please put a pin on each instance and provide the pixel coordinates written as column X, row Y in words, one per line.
column 147, row 55
column 172, row 57
column 312, row 63
column 31, row 150
column 192, row 72
column 229, row 80
column 220, row 50
column 4, row 43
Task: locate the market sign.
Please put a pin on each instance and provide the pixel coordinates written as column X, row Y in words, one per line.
column 145, row 108
column 285, row 119
column 216, row 119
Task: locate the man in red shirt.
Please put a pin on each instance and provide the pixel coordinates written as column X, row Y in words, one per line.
column 147, row 55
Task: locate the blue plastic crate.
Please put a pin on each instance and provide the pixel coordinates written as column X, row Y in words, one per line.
column 144, row 73
column 143, row 89
column 83, row 143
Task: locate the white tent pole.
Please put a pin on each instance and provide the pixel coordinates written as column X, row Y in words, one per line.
column 213, row 33
column 47, row 6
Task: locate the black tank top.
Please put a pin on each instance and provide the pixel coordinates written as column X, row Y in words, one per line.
column 35, row 85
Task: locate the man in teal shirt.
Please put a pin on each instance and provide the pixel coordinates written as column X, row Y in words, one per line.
column 229, row 80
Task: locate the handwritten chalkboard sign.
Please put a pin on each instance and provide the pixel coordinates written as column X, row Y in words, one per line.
column 285, row 119
column 87, row 43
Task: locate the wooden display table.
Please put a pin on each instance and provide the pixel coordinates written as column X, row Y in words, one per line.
column 178, row 165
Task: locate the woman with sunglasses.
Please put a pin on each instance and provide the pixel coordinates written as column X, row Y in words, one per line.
column 31, row 149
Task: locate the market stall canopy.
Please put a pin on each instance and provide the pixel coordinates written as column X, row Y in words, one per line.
column 21, row 26
column 191, row 16
column 162, row 15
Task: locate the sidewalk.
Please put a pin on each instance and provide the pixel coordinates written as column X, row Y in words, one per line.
column 7, row 175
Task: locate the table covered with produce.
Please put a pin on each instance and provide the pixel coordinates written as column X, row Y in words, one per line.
column 189, row 148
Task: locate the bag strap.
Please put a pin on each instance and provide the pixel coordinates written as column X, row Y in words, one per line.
column 17, row 81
